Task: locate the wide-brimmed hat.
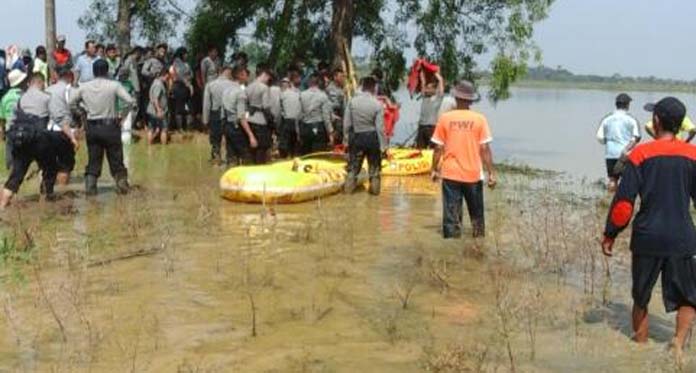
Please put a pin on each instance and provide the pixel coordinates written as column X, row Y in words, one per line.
column 465, row 90
column 16, row 77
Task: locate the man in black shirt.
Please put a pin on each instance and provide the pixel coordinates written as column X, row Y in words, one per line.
column 663, row 241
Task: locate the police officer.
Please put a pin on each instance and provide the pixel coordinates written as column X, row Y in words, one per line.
column 103, row 131
column 316, row 131
column 239, row 137
column 154, row 65
column 260, row 117
column 62, row 136
column 336, row 93
column 212, row 105
column 363, row 133
column 30, row 141
column 289, row 130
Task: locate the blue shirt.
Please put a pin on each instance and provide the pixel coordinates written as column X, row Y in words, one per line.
column 616, row 131
column 83, row 66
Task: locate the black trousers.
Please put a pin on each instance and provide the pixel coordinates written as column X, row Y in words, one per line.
column 143, row 99
column 453, row 194
column 43, row 152
column 338, row 130
column 365, row 145
column 215, row 135
column 262, row 153
column 425, row 134
column 313, row 138
column 182, row 97
column 288, row 138
column 236, row 144
column 65, row 152
column 105, row 138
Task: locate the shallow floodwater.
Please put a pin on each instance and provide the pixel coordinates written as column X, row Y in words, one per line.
column 172, row 278
column 549, row 128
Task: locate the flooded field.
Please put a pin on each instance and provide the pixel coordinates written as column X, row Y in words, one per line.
column 172, row 278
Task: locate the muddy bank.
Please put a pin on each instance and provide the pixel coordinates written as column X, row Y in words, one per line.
column 173, row 278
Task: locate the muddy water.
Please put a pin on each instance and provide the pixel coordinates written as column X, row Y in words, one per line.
column 172, row 278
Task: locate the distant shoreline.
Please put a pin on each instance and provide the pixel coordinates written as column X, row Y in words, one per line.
column 606, row 86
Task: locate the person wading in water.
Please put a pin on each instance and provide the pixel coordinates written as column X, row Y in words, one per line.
column 462, row 139
column 663, row 242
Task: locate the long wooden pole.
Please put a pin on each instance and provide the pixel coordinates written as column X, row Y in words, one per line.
column 50, row 26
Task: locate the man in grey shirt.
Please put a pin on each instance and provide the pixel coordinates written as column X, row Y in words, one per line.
column 239, row 138
column 83, row 64
column 211, row 111
column 210, row 66
column 289, row 130
column 433, row 93
column 316, row 131
column 30, row 141
column 363, row 134
column 62, row 135
column 103, row 130
column 154, row 65
column 260, row 117
column 157, row 109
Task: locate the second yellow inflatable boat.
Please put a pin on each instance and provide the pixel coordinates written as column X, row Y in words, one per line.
column 407, row 162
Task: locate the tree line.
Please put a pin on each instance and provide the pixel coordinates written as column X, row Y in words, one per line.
column 456, row 34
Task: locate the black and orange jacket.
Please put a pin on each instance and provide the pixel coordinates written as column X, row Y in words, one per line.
column 663, row 173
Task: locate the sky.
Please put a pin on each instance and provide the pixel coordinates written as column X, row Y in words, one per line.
column 629, row 37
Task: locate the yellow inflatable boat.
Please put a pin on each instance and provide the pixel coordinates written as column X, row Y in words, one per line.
column 407, row 162
column 301, row 180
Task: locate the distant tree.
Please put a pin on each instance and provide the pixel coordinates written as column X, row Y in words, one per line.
column 121, row 20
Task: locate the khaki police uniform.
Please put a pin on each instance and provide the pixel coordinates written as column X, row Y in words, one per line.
column 32, row 113
column 363, row 133
column 234, row 108
column 260, row 119
column 60, row 115
column 212, row 110
column 289, row 130
column 315, row 125
column 103, row 130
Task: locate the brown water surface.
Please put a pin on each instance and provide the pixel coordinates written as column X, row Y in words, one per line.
column 172, row 278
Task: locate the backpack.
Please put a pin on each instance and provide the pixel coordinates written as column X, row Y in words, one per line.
column 25, row 129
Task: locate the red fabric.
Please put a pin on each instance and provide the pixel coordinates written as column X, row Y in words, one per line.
column 621, row 213
column 662, row 148
column 62, row 57
column 419, row 64
column 391, row 116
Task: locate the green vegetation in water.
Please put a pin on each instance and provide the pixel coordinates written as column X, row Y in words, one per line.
column 523, row 169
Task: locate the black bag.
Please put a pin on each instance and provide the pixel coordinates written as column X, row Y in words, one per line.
column 25, row 129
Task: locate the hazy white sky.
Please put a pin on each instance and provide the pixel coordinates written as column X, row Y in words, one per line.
column 631, row 37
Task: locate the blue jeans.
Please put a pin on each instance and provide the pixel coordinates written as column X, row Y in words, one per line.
column 453, row 195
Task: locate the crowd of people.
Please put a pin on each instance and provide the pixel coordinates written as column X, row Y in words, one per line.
column 48, row 102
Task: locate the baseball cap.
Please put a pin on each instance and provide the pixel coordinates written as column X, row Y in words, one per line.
column 60, row 38
column 623, row 98
column 670, row 110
